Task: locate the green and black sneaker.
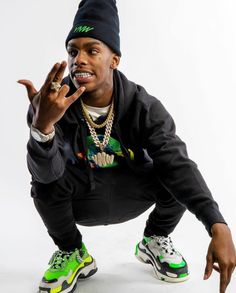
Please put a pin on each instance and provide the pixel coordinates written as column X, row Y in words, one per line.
column 169, row 265
column 65, row 269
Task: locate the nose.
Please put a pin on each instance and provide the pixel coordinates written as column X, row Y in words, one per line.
column 81, row 59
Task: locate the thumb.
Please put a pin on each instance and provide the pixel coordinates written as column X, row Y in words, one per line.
column 209, row 267
column 31, row 90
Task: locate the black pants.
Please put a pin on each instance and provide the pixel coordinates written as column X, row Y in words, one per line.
column 119, row 195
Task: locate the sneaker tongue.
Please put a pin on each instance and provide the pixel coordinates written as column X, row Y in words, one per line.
column 147, row 239
column 81, row 252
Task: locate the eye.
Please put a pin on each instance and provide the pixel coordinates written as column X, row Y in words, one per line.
column 93, row 51
column 72, row 52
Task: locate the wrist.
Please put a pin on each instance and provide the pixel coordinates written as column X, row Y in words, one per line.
column 219, row 228
column 44, row 129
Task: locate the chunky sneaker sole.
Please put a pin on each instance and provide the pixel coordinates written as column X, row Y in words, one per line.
column 161, row 270
column 69, row 284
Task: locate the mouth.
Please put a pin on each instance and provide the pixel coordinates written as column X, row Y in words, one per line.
column 82, row 76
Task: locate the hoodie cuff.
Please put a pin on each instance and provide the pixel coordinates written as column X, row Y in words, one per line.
column 43, row 149
column 211, row 215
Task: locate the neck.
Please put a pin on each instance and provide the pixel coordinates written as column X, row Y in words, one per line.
column 100, row 98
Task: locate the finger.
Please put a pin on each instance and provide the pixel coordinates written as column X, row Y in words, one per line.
column 224, row 280
column 31, row 90
column 209, row 267
column 230, row 272
column 50, row 77
column 75, row 96
column 63, row 91
column 216, row 268
column 59, row 75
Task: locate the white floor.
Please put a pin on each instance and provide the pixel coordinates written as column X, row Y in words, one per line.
column 26, row 249
column 189, row 64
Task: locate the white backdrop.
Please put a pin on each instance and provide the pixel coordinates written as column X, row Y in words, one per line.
column 182, row 52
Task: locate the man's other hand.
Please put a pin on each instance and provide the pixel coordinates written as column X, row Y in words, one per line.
column 221, row 255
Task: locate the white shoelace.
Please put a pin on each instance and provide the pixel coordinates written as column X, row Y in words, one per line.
column 165, row 243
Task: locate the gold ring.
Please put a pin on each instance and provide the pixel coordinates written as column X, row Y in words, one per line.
column 55, row 86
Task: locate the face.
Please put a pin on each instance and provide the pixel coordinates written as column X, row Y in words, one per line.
column 91, row 64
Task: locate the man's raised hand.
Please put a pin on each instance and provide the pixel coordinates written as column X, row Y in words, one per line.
column 50, row 105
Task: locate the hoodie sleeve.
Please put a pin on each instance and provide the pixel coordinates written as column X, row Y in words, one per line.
column 45, row 161
column 178, row 173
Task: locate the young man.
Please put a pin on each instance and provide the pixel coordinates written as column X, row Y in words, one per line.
column 102, row 151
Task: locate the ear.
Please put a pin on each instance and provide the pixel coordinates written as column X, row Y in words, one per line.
column 115, row 61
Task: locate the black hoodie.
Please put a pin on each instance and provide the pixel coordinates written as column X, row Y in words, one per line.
column 141, row 124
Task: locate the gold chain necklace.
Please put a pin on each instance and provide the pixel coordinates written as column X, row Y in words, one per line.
column 101, row 158
column 89, row 119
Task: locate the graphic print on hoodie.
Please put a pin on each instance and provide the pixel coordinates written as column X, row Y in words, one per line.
column 113, row 148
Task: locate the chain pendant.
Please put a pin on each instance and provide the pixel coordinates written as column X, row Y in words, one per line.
column 102, row 159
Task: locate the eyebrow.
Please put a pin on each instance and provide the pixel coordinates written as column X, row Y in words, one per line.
column 88, row 44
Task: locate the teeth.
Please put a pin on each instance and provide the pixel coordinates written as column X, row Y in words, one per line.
column 82, row 74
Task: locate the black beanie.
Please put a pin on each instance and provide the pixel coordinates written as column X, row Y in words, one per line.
column 97, row 19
